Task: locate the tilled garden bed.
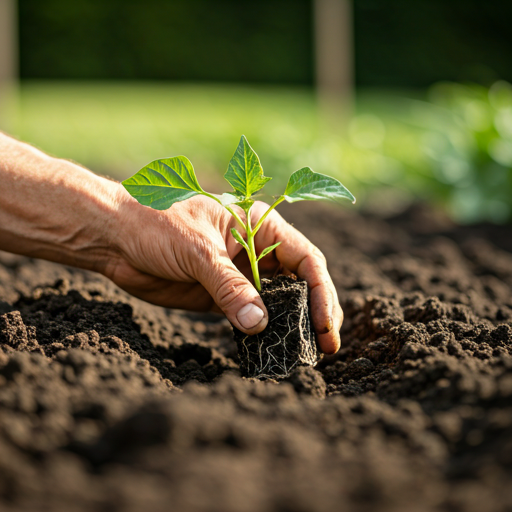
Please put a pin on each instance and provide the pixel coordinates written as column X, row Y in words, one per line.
column 108, row 403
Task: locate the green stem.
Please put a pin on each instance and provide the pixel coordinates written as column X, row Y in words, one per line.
column 236, row 216
column 253, row 259
column 251, row 233
column 230, row 210
column 270, row 208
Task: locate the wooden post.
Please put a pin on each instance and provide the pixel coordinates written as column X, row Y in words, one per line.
column 334, row 60
column 8, row 63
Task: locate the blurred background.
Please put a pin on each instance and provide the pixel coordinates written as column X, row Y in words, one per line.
column 402, row 101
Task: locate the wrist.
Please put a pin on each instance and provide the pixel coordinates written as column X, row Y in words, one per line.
column 55, row 209
column 128, row 221
column 102, row 245
column 76, row 223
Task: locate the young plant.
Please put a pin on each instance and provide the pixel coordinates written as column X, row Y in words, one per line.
column 164, row 182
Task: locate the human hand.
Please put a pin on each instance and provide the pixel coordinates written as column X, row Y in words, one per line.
column 185, row 257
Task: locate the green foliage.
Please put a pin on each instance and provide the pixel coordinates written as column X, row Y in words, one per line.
column 471, row 160
column 238, row 237
column 460, row 147
column 268, row 250
column 164, row 182
column 397, row 42
column 245, row 173
column 268, row 40
column 305, row 184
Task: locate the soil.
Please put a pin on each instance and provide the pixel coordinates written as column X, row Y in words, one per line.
column 110, row 404
column 289, row 339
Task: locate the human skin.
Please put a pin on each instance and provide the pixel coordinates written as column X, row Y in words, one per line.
column 184, row 257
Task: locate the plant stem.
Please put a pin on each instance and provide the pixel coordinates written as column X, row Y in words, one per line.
column 235, row 215
column 230, row 210
column 253, row 259
column 280, row 199
column 251, row 233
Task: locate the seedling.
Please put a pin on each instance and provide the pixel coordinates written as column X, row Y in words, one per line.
column 164, row 182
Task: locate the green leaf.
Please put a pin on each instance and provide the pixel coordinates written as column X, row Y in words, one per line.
column 245, row 173
column 238, row 237
column 307, row 185
column 164, row 182
column 267, row 251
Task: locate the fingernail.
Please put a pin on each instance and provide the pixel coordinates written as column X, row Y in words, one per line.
column 250, row 316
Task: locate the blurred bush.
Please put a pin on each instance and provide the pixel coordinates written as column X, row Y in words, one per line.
column 404, row 43
column 458, row 145
column 397, row 42
column 471, row 157
column 214, row 40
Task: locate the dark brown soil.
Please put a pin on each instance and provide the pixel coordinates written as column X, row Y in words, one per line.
column 109, row 404
column 289, row 339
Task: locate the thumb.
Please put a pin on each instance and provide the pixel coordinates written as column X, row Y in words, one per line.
column 235, row 296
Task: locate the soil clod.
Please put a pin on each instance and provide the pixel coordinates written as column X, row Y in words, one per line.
column 288, row 341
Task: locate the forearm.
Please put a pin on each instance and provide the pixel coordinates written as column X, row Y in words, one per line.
column 54, row 209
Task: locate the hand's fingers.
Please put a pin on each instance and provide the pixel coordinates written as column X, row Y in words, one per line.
column 325, row 308
column 329, row 340
column 299, row 255
column 233, row 294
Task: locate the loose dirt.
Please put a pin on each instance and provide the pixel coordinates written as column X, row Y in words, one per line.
column 110, row 404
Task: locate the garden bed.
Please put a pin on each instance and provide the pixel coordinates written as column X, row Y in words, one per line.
column 108, row 403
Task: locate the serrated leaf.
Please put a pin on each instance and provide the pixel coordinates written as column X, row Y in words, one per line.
column 164, row 182
column 238, row 237
column 267, row 251
column 245, row 173
column 307, row 185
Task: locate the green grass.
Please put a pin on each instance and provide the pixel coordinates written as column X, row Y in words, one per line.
column 451, row 145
